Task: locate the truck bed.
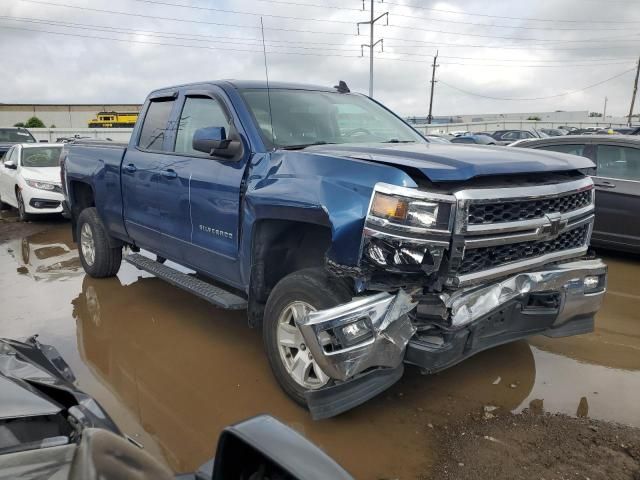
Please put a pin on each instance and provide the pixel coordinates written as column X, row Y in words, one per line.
column 97, row 163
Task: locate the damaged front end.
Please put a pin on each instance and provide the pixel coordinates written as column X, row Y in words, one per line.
column 458, row 274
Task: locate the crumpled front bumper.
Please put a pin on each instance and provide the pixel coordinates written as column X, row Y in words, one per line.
column 511, row 309
column 558, row 300
column 388, row 330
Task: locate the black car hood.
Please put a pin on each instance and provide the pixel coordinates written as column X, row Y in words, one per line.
column 442, row 162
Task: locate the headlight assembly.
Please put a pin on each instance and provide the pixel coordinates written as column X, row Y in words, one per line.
column 41, row 185
column 410, row 209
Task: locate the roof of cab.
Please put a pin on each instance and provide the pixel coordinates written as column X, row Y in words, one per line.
column 249, row 84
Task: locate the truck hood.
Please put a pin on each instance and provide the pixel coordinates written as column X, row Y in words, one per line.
column 441, row 162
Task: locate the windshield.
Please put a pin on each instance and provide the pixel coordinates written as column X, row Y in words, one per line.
column 305, row 117
column 41, row 157
column 15, row 135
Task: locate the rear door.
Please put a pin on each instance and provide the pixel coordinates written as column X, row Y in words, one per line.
column 214, row 185
column 617, row 183
column 155, row 199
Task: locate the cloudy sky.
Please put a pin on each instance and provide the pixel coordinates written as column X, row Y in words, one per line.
column 112, row 51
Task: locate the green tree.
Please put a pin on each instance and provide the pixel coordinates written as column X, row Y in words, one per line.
column 53, row 125
column 34, row 122
column 595, row 114
column 19, row 124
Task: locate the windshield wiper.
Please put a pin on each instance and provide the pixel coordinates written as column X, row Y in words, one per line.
column 303, row 146
column 395, row 140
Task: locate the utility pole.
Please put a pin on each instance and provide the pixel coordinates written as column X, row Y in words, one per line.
column 371, row 43
column 604, row 113
column 635, row 90
column 433, row 84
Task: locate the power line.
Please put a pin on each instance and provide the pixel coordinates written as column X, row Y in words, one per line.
column 183, row 20
column 202, row 22
column 239, row 12
column 560, row 64
column 475, row 14
column 185, row 36
column 480, row 35
column 538, row 98
column 493, row 25
column 215, row 9
column 168, row 35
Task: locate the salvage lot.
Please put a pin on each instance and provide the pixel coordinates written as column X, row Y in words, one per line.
column 173, row 371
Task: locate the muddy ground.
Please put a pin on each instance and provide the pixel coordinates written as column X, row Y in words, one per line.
column 173, row 371
column 535, row 446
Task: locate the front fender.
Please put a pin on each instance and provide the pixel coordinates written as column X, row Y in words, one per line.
column 331, row 191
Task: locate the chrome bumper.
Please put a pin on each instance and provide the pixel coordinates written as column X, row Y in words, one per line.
column 388, row 330
column 469, row 304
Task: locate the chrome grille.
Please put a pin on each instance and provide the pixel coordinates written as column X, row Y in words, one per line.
column 500, row 231
column 512, row 211
column 485, row 258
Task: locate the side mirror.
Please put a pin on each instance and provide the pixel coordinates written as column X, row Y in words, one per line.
column 10, row 165
column 263, row 444
column 213, row 141
column 44, row 141
column 209, row 139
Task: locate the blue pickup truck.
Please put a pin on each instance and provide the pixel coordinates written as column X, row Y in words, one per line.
column 354, row 243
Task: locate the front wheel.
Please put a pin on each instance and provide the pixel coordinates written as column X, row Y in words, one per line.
column 23, row 216
column 291, row 361
column 97, row 256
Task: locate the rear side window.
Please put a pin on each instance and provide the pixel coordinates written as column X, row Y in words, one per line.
column 155, row 126
column 199, row 112
column 572, row 149
column 619, row 162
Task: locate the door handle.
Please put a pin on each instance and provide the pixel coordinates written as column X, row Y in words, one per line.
column 605, row 184
column 169, row 173
column 131, row 168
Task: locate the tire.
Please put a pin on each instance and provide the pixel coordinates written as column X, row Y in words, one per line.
column 315, row 288
column 97, row 256
column 23, row 216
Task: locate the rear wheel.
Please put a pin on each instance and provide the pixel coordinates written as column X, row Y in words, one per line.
column 291, row 361
column 99, row 259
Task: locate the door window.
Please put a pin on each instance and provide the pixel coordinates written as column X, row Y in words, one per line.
column 199, row 112
column 155, row 126
column 619, row 162
column 572, row 149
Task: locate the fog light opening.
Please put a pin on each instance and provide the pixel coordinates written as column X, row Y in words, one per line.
column 591, row 282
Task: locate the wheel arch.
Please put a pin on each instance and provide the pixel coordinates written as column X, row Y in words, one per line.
column 280, row 247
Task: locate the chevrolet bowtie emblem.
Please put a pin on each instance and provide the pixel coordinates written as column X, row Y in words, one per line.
column 555, row 224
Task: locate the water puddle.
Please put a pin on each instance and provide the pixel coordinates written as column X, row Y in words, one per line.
column 173, row 370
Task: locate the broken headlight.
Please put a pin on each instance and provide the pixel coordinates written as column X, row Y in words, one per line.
column 409, row 209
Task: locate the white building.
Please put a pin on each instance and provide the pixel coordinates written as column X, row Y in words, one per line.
column 60, row 115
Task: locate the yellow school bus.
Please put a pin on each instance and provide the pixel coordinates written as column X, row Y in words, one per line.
column 114, row 120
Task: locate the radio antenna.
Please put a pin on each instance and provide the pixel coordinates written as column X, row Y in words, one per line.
column 266, row 73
